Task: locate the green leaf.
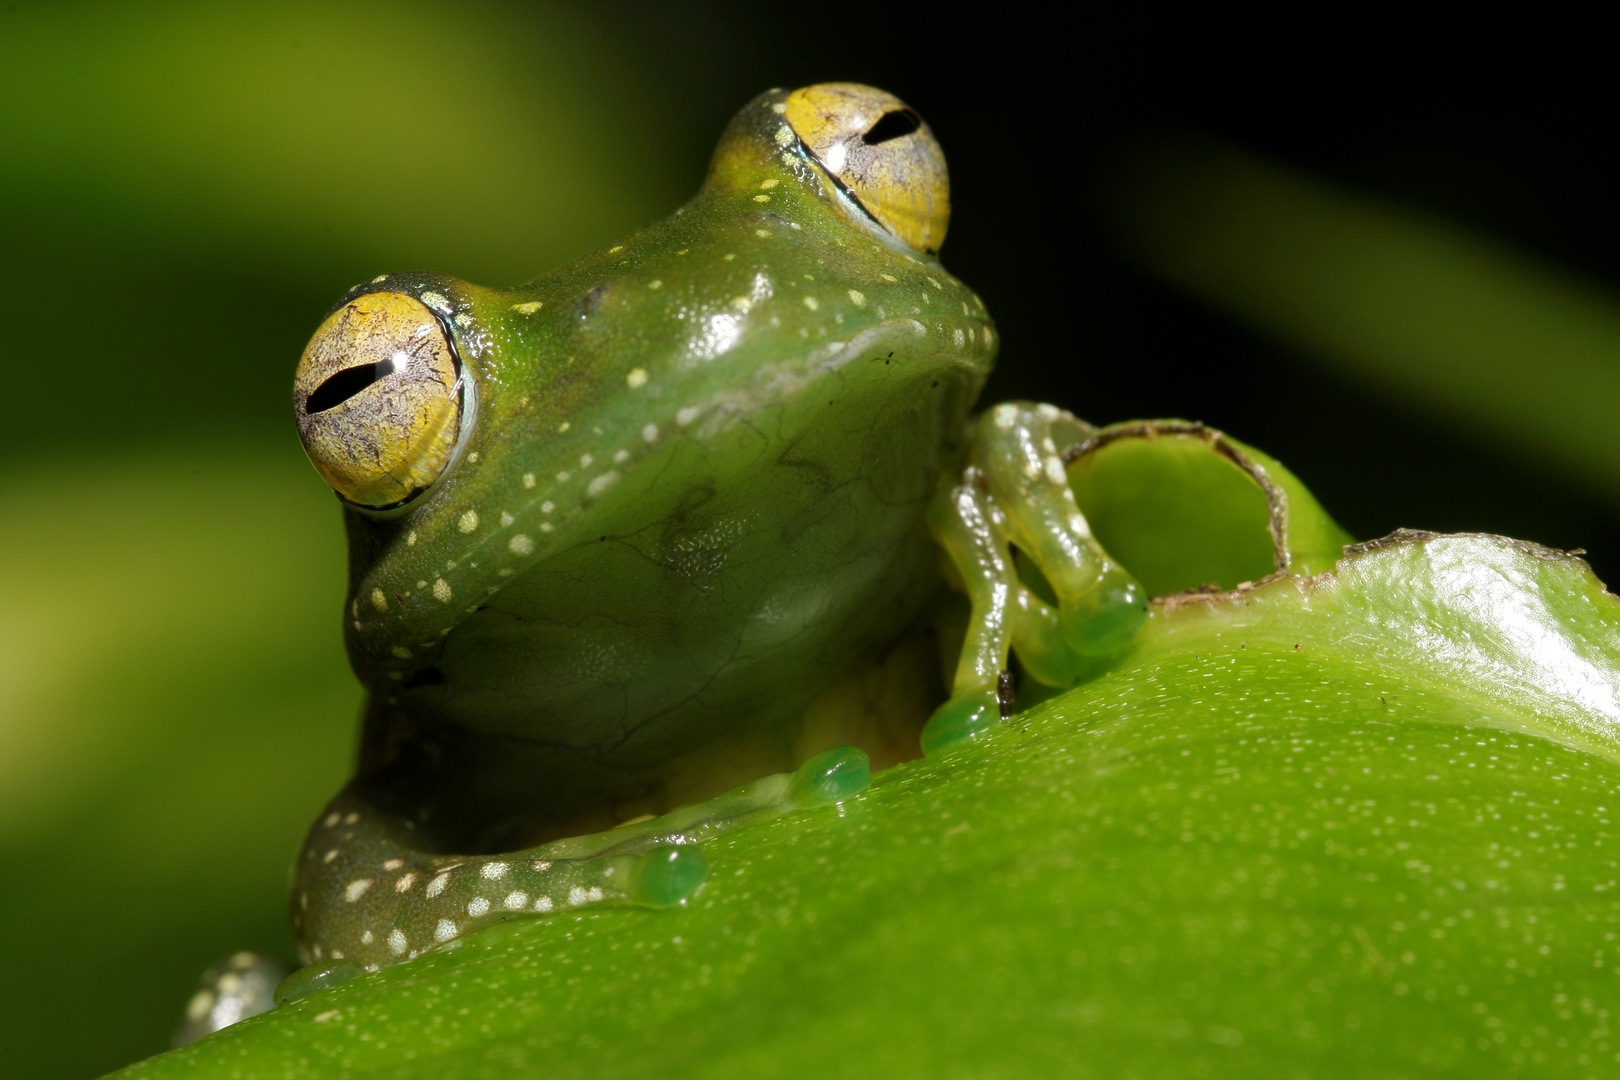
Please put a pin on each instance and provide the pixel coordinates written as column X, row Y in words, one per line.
column 1351, row 824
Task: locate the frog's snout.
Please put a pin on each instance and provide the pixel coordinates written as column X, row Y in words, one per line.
column 881, row 153
column 378, row 396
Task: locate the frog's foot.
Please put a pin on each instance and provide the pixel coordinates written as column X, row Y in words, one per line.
column 1038, row 582
column 363, row 897
column 231, row 990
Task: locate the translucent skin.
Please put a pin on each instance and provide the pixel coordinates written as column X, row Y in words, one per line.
column 693, row 494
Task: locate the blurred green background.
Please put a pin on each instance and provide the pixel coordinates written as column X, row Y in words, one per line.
column 1388, row 260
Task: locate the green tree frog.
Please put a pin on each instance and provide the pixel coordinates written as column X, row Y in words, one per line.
column 677, row 518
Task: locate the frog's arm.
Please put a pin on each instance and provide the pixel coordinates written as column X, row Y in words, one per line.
column 1014, row 494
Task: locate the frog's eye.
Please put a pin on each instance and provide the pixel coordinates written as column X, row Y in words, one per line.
column 881, row 153
column 378, row 395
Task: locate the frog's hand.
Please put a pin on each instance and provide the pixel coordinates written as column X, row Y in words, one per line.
column 362, row 893
column 1039, row 583
column 1068, row 601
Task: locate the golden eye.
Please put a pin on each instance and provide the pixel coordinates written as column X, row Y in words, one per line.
column 378, row 395
column 881, row 153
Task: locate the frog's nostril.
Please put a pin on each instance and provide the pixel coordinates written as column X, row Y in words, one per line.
column 892, row 125
column 345, row 384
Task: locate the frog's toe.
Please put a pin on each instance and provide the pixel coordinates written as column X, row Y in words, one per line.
column 961, row 719
column 1107, row 618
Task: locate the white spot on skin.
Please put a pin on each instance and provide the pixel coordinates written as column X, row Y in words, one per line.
column 602, row 483
column 649, row 433
column 576, row 895
column 762, row 198
column 401, row 651
column 379, row 601
column 615, row 249
column 636, row 379
column 545, row 526
column 478, row 906
column 494, row 871
column 468, row 522
column 528, row 309
column 687, row 415
column 766, row 185
column 329, row 1014
column 200, row 1003
column 329, row 856
column 562, row 477
column 331, row 819
column 445, row 930
column 547, row 507
column 520, row 544
column 1077, row 525
column 543, row 904
column 397, row 942
column 517, row 901
column 528, row 482
column 437, row 302
column 404, row 884
column 379, row 279
column 565, row 425
column 441, row 591
column 622, row 456
column 472, row 458
column 366, row 938
column 1005, row 416
column 436, row 886
column 784, row 136
column 812, row 303
column 1054, row 471
column 542, row 864
column 356, row 889
column 777, row 107
column 585, row 461
column 888, row 277
column 594, row 894
column 857, row 298
column 655, row 285
column 959, row 338
column 506, row 519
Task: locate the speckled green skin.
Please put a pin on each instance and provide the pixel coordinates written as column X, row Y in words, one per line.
column 692, row 496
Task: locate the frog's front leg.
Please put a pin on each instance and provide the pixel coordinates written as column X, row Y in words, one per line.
column 1014, row 495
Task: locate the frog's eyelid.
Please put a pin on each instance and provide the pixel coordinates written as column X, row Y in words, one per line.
column 842, row 188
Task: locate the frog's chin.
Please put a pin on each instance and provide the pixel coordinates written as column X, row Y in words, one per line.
column 457, row 791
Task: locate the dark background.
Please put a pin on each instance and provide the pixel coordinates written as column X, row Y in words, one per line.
column 1507, row 128
column 181, row 197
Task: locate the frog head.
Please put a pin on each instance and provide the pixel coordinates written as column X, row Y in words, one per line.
column 668, row 491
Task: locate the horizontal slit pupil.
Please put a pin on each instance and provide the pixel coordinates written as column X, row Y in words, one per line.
column 892, row 125
column 345, row 384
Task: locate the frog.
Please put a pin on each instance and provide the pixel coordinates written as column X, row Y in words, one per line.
column 697, row 530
